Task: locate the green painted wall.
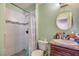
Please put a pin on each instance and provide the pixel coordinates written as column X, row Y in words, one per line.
column 2, row 23
column 47, row 20
column 31, row 7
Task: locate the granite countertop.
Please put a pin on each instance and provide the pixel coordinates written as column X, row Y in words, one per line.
column 65, row 43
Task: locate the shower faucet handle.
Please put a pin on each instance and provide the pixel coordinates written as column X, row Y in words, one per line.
column 27, row 31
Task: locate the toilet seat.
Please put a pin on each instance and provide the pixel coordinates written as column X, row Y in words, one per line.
column 37, row 53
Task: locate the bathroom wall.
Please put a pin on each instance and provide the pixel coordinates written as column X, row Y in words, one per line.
column 47, row 19
column 2, row 23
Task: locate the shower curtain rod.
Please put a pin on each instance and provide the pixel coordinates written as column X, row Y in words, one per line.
column 20, row 7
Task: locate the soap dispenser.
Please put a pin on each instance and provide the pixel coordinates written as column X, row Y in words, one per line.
column 64, row 35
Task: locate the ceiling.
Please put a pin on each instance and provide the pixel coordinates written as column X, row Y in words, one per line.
column 31, row 6
column 26, row 6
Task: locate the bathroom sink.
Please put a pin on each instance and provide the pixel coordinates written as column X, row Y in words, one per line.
column 65, row 43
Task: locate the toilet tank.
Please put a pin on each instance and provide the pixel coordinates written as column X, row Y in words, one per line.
column 43, row 45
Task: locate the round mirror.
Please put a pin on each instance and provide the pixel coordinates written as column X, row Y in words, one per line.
column 64, row 20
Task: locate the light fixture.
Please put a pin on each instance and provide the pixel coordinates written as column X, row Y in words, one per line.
column 63, row 4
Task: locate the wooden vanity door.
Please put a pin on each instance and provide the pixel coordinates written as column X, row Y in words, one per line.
column 62, row 51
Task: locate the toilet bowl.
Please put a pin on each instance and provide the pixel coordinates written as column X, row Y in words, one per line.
column 43, row 46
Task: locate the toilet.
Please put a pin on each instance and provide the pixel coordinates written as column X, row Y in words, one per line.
column 43, row 46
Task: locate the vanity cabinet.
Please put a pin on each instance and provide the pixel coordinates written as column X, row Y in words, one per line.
column 62, row 51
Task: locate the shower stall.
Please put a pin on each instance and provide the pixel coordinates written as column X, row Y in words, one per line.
column 20, row 29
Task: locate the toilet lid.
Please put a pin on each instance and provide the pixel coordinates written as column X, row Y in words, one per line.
column 37, row 53
column 42, row 41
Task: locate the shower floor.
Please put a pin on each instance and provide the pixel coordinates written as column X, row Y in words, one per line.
column 21, row 53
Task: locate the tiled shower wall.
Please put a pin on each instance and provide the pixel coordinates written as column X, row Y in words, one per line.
column 15, row 34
